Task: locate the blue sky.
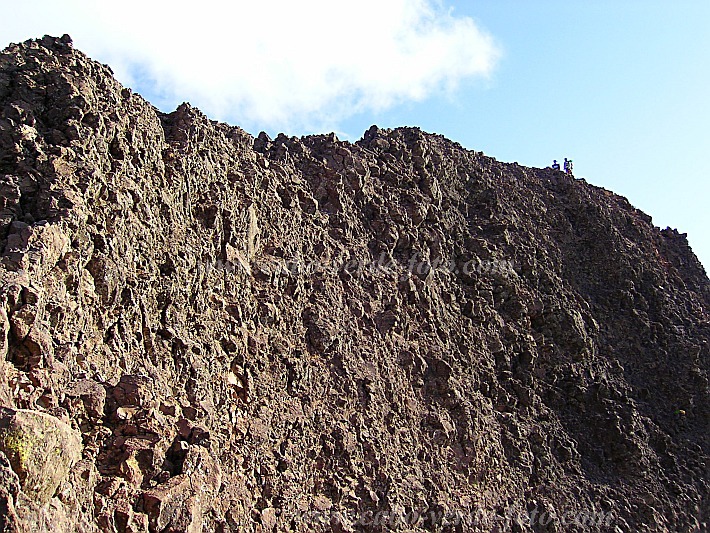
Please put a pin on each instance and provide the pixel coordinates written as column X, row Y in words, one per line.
column 622, row 88
column 619, row 87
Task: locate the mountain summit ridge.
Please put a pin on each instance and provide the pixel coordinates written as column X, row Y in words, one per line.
column 221, row 332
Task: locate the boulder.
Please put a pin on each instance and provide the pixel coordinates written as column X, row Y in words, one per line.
column 41, row 449
column 86, row 396
column 134, row 390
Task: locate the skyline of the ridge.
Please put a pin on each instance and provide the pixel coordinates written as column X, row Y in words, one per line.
column 618, row 87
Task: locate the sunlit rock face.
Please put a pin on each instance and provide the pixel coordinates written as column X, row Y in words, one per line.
column 304, row 334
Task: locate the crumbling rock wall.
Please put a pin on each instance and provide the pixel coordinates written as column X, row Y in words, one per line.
column 255, row 334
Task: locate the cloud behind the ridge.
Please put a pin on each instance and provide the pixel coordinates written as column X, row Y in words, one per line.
column 275, row 65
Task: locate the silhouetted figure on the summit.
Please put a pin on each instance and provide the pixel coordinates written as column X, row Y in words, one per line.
column 555, row 165
column 568, row 166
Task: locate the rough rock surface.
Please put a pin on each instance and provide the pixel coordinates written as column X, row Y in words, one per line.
column 40, row 448
column 304, row 334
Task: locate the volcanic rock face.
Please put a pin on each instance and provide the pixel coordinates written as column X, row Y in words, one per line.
column 313, row 335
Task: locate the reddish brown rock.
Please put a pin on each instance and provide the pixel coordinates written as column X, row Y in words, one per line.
column 40, row 448
column 134, row 391
column 86, row 397
column 393, row 326
column 180, row 503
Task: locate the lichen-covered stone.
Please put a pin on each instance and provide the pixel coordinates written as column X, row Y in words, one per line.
column 40, row 448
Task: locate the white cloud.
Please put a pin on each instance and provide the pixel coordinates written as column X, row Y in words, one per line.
column 278, row 64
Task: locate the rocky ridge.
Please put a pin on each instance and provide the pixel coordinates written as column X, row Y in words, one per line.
column 228, row 333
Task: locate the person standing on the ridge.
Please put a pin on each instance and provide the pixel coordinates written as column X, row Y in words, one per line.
column 568, row 166
column 555, row 165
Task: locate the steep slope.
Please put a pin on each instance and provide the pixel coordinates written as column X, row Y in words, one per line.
column 308, row 334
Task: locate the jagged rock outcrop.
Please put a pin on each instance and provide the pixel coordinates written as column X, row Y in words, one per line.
column 303, row 334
